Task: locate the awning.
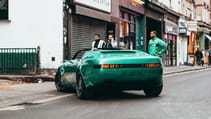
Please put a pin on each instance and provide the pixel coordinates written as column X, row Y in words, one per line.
column 208, row 37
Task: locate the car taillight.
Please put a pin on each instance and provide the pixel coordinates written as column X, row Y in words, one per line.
column 110, row 66
column 114, row 66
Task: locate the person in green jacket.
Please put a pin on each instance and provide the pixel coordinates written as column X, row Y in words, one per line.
column 156, row 46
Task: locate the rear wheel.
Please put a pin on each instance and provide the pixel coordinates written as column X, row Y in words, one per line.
column 153, row 91
column 58, row 82
column 81, row 90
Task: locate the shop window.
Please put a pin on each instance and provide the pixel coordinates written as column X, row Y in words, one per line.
column 126, row 16
column 124, row 29
column 207, row 43
column 132, row 24
column 124, row 33
column 3, row 9
column 127, row 31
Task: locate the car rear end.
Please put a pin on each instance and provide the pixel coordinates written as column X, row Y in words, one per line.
column 125, row 70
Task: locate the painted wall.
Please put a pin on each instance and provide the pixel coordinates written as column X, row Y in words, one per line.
column 202, row 10
column 202, row 41
column 35, row 23
column 172, row 4
column 140, row 34
column 187, row 9
column 182, row 49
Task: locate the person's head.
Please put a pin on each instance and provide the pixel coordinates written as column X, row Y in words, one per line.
column 110, row 37
column 97, row 36
column 153, row 34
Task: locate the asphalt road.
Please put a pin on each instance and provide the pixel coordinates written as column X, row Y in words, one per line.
column 185, row 96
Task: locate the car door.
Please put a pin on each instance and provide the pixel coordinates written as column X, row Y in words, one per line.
column 72, row 66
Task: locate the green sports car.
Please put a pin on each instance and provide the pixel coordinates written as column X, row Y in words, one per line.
column 92, row 71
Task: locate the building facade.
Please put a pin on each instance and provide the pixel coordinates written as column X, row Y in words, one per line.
column 187, row 30
column 123, row 19
column 24, row 25
column 83, row 19
column 204, row 27
column 131, row 24
column 128, row 21
column 184, row 11
column 154, row 16
column 169, row 29
column 171, row 37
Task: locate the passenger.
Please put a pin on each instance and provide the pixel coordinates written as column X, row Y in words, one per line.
column 108, row 42
column 97, row 43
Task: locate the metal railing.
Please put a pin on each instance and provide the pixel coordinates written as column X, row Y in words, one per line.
column 18, row 60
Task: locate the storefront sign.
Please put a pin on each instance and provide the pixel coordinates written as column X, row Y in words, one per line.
column 182, row 23
column 192, row 26
column 182, row 30
column 171, row 27
column 104, row 5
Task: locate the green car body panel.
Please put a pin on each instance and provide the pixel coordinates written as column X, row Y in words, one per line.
column 128, row 71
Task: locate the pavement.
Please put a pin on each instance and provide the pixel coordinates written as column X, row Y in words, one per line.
column 183, row 68
column 25, row 89
column 28, row 78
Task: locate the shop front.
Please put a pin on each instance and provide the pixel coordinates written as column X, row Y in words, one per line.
column 203, row 37
column 182, row 44
column 83, row 20
column 204, row 40
column 170, row 36
column 154, row 16
column 193, row 42
column 131, row 25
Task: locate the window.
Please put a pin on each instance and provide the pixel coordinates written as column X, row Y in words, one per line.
column 3, row 9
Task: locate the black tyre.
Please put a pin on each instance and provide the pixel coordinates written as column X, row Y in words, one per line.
column 153, row 92
column 81, row 90
column 58, row 82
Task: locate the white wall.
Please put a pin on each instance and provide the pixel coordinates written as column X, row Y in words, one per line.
column 35, row 23
column 182, row 49
column 173, row 4
column 165, row 2
column 202, row 12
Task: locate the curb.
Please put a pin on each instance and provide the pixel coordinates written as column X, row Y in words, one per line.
column 186, row 70
column 28, row 78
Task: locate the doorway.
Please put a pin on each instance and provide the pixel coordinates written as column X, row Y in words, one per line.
column 152, row 25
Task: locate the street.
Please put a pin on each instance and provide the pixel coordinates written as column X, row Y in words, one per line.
column 185, row 96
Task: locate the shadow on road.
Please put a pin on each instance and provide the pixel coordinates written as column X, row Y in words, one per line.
column 125, row 95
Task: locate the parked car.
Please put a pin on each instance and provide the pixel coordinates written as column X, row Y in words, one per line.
column 92, row 71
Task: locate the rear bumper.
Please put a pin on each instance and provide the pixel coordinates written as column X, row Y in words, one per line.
column 138, row 85
column 125, row 79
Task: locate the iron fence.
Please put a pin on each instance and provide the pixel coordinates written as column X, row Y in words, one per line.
column 18, row 60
